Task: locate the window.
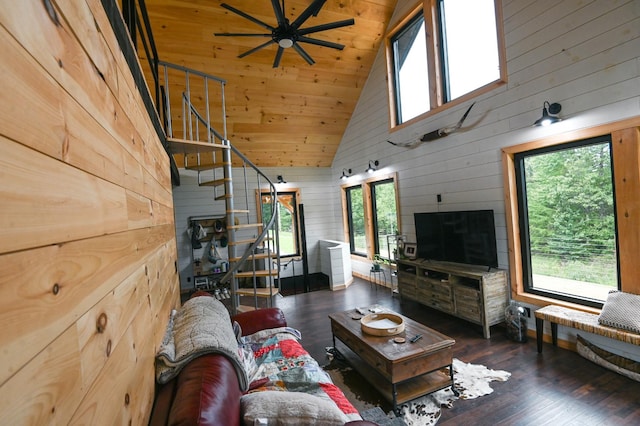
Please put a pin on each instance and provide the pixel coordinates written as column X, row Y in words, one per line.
column 411, row 75
column 385, row 216
column 371, row 215
column 567, row 221
column 287, row 244
column 355, row 214
column 443, row 51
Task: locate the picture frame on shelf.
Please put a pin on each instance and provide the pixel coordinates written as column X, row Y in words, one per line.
column 410, row 250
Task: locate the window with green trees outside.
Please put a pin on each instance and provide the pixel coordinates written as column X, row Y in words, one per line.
column 567, row 221
column 371, row 215
column 288, row 230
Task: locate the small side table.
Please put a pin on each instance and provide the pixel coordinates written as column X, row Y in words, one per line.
column 377, row 277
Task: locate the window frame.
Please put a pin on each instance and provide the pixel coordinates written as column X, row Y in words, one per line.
column 525, row 246
column 437, row 85
column 625, row 135
column 394, row 78
column 348, row 191
column 369, row 214
column 298, row 201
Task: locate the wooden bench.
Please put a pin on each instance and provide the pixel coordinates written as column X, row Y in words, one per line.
column 579, row 320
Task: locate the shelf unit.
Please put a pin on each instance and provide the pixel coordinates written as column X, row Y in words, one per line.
column 468, row 292
column 205, row 273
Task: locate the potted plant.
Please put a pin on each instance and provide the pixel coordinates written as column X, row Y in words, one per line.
column 377, row 260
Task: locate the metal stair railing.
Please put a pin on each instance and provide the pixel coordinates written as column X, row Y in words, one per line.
column 198, row 128
column 136, row 19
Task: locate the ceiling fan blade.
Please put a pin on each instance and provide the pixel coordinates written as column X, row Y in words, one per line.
column 241, row 35
column 255, row 49
column 276, row 61
column 324, row 27
column 249, row 17
column 277, row 9
column 321, row 42
column 313, row 9
column 304, row 54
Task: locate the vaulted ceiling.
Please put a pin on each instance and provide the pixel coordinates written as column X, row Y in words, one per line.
column 293, row 115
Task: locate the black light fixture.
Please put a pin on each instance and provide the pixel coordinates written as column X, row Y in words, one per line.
column 281, row 179
column 346, row 173
column 549, row 114
column 373, row 166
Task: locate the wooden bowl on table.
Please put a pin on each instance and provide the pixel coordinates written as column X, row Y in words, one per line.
column 382, row 324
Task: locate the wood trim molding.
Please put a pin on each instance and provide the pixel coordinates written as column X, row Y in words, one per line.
column 626, row 160
column 438, row 104
column 368, row 214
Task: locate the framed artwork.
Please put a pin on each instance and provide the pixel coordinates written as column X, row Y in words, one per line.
column 410, row 250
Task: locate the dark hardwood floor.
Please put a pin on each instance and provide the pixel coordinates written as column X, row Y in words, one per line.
column 558, row 387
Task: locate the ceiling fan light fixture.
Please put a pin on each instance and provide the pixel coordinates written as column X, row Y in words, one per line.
column 285, row 43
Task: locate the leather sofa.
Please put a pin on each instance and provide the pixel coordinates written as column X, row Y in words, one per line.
column 207, row 391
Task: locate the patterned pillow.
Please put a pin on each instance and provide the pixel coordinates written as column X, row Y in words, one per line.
column 621, row 310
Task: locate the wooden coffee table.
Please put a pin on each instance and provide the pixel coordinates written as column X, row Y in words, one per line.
column 400, row 371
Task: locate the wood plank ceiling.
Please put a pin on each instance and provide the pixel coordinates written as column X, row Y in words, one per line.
column 293, row 115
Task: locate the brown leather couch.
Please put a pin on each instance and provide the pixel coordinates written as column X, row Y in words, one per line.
column 206, row 391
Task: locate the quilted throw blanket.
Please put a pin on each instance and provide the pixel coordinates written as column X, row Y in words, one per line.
column 201, row 326
column 282, row 364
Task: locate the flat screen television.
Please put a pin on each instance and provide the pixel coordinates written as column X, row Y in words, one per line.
column 463, row 237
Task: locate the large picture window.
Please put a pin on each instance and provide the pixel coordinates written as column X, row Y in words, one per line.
column 567, row 221
column 571, row 210
column 442, row 51
column 371, row 215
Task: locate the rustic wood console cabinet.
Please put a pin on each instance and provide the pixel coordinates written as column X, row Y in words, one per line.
column 468, row 292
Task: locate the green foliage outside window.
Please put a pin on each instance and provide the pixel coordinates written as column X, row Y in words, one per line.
column 383, row 213
column 571, row 215
column 357, row 228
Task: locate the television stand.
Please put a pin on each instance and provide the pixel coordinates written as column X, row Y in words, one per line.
column 468, row 292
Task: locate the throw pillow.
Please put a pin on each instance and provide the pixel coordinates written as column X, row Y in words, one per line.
column 621, row 310
column 290, row 409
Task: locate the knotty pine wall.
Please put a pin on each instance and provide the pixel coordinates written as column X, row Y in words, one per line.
column 87, row 240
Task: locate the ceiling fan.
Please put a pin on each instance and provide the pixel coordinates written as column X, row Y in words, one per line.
column 289, row 34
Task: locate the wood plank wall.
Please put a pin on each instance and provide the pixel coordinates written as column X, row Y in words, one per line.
column 87, row 238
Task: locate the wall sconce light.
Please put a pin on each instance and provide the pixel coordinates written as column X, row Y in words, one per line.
column 345, row 174
column 550, row 115
column 373, row 166
column 281, row 179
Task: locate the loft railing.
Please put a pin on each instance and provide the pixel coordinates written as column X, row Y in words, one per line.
column 137, row 22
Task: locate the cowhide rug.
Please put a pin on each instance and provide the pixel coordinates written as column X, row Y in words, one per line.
column 470, row 380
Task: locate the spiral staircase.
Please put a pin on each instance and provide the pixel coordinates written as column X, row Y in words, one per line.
column 197, row 137
column 188, row 110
